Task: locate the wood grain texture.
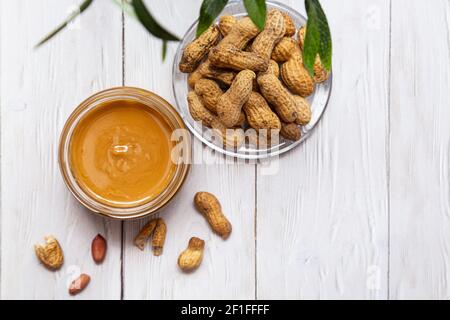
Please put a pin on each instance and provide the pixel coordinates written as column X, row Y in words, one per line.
column 420, row 150
column 322, row 219
column 359, row 211
column 228, row 268
column 40, row 88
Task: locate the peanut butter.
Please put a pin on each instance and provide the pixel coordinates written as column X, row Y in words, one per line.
column 120, row 153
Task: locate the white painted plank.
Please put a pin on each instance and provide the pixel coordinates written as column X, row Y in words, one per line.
column 323, row 234
column 227, row 270
column 39, row 90
column 322, row 219
column 420, row 150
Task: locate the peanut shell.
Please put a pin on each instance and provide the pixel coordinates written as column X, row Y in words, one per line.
column 198, row 110
column 210, row 92
column 50, row 254
column 296, row 77
column 230, row 103
column 291, row 131
column 159, row 237
column 191, row 258
column 240, row 34
column 273, row 32
column 278, row 96
column 290, row 25
column 303, row 111
column 284, row 49
column 259, row 115
column 198, row 49
column 144, row 234
column 320, row 73
column 210, row 208
column 226, row 23
column 229, row 56
column 206, row 70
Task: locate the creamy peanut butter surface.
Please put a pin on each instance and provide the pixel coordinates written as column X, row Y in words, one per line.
column 120, row 153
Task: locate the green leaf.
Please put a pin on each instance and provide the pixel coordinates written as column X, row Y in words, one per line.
column 209, row 11
column 318, row 37
column 164, row 50
column 83, row 6
column 256, row 10
column 152, row 26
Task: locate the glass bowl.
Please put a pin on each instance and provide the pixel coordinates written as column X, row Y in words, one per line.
column 318, row 100
column 180, row 135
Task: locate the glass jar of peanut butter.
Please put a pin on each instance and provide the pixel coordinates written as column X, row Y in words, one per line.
column 124, row 153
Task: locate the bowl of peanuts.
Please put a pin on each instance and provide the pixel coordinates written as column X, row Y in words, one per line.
column 245, row 92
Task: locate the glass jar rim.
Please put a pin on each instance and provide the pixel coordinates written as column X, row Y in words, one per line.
column 156, row 103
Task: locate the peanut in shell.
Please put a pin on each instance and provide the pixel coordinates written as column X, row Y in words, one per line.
column 278, row 96
column 206, row 70
column 231, row 57
column 194, row 52
column 226, row 23
column 273, row 32
column 259, row 114
column 296, row 77
column 230, row 103
column 198, row 110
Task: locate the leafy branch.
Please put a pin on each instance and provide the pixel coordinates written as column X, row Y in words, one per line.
column 209, row 11
column 135, row 8
column 317, row 40
column 81, row 8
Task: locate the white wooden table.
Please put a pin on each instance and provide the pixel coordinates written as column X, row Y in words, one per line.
column 359, row 211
